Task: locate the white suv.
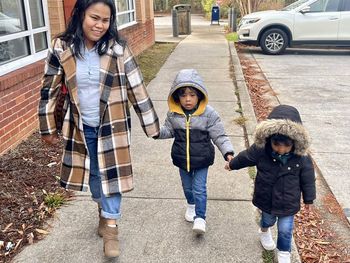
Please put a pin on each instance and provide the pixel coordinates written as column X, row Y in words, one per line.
column 316, row 22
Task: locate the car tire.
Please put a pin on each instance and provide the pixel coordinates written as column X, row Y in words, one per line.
column 274, row 41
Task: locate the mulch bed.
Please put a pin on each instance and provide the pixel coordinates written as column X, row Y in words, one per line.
column 28, row 174
column 313, row 234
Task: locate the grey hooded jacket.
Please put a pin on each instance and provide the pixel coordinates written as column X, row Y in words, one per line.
column 194, row 134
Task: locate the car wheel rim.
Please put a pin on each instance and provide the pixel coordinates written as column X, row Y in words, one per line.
column 274, row 42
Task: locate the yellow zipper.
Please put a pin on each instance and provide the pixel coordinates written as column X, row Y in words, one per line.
column 188, row 142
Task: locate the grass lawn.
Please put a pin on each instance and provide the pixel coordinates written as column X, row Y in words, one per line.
column 152, row 59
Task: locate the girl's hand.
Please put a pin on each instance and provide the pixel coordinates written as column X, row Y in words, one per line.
column 227, row 166
column 50, row 139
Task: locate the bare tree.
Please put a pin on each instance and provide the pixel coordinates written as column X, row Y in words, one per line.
column 249, row 6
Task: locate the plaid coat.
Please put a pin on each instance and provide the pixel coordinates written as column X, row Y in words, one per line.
column 120, row 82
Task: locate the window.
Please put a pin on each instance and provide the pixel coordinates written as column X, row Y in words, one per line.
column 23, row 33
column 346, row 5
column 125, row 13
column 325, row 6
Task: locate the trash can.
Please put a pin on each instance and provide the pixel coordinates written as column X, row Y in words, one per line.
column 181, row 18
column 215, row 14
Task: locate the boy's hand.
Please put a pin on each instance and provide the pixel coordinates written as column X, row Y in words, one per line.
column 229, row 157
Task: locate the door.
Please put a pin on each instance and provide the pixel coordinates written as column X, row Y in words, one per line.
column 68, row 7
column 320, row 23
column 344, row 23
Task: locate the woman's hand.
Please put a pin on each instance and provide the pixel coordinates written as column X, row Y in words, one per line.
column 50, row 139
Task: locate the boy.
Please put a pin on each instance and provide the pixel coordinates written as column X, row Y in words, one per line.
column 194, row 125
column 284, row 171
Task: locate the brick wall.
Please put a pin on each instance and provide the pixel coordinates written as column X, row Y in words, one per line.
column 139, row 36
column 57, row 16
column 19, row 95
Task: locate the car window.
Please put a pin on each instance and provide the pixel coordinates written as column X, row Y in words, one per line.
column 346, row 5
column 325, row 6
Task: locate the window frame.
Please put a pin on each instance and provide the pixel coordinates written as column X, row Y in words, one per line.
column 30, row 32
column 129, row 11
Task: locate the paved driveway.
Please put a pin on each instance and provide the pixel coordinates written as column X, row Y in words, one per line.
column 317, row 82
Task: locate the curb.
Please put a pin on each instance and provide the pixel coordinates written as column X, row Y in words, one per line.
column 248, row 112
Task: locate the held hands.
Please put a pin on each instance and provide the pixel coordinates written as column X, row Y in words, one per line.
column 227, row 164
column 51, row 139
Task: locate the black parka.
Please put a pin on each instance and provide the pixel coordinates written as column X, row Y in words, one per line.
column 278, row 187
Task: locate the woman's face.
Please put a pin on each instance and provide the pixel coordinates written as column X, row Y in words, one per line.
column 96, row 23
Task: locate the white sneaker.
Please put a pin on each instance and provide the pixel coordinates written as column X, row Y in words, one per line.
column 199, row 226
column 266, row 240
column 190, row 213
column 283, row 257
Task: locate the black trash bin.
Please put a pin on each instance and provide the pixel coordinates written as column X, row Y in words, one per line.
column 181, row 15
column 215, row 14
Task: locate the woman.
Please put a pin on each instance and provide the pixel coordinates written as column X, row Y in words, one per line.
column 101, row 76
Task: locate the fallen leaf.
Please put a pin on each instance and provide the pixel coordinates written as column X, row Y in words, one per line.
column 7, row 227
column 41, row 231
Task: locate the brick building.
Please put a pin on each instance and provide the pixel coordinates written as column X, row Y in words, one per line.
column 26, row 28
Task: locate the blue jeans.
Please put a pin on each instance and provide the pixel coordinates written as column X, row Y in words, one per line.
column 194, row 184
column 110, row 205
column 284, row 227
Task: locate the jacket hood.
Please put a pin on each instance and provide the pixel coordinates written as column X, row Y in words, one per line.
column 285, row 120
column 187, row 78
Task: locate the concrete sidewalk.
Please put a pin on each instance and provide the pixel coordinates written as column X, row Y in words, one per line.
column 153, row 228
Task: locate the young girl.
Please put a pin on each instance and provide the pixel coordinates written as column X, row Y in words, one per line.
column 284, row 171
column 194, row 125
column 101, row 75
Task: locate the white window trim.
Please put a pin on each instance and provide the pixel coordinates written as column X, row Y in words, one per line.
column 127, row 12
column 34, row 57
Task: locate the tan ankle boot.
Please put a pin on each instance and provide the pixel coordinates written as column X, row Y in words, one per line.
column 101, row 226
column 101, row 222
column 111, row 242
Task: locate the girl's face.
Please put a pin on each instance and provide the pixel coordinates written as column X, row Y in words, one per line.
column 188, row 99
column 281, row 148
column 96, row 23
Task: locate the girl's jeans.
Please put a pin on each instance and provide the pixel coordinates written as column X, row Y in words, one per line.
column 110, row 205
column 284, row 227
column 194, row 184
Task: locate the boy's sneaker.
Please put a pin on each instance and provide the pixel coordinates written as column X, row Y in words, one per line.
column 283, row 257
column 199, row 225
column 266, row 240
column 190, row 213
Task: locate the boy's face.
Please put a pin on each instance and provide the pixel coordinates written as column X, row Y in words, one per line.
column 281, row 148
column 188, row 99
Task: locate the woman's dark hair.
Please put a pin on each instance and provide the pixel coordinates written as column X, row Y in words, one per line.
column 180, row 91
column 281, row 139
column 74, row 33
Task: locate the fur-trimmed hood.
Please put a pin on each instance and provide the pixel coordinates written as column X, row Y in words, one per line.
column 285, row 120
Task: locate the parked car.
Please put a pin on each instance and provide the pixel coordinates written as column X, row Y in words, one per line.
column 305, row 22
column 9, row 25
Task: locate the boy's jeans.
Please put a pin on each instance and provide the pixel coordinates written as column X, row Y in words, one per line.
column 194, row 184
column 284, row 227
column 110, row 205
